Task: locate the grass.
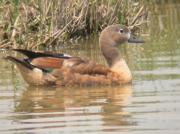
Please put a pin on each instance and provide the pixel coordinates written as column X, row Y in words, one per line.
column 35, row 23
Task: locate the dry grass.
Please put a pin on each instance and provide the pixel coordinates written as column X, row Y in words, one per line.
column 34, row 23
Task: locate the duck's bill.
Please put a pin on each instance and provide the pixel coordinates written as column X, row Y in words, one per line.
column 134, row 39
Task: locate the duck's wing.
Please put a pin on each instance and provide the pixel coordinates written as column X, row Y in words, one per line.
column 75, row 64
column 57, row 61
column 33, row 54
column 43, row 59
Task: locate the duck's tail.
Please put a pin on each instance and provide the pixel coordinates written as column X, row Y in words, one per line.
column 20, row 63
column 32, row 74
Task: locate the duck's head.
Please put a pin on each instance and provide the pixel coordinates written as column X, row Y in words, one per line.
column 113, row 36
column 117, row 34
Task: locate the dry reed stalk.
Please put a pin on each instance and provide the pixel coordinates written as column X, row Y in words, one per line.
column 53, row 36
column 31, row 24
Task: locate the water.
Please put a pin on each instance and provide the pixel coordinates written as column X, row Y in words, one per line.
column 150, row 105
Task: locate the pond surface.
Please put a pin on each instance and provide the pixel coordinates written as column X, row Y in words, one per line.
column 150, row 105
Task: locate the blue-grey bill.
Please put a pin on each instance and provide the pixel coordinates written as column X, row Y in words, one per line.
column 134, row 39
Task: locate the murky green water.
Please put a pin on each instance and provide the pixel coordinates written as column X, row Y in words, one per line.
column 150, row 105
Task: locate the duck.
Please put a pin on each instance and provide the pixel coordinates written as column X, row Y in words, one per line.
column 48, row 69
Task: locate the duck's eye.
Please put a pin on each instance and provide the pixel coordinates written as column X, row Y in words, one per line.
column 121, row 30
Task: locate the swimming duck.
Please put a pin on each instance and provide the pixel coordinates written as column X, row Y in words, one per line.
column 45, row 69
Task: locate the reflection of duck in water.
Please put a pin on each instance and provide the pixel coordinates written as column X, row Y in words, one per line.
column 61, row 108
column 67, row 70
column 107, row 101
column 114, row 111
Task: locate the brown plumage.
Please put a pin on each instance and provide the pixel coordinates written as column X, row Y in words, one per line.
column 61, row 70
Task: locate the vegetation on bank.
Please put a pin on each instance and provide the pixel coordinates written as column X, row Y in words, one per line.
column 33, row 23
